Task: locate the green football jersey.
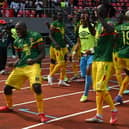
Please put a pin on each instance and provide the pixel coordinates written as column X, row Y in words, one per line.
column 104, row 48
column 28, row 47
column 58, row 33
column 124, row 32
column 104, row 43
column 121, row 38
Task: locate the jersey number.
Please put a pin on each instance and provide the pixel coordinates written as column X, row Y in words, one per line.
column 125, row 37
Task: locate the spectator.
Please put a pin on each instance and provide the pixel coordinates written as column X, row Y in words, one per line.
column 63, row 4
column 15, row 6
column 5, row 9
column 123, row 8
column 22, row 5
column 11, row 37
column 39, row 7
column 3, row 48
column 29, row 4
column 1, row 3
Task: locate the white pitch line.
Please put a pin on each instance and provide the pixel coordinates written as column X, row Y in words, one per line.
column 46, row 75
column 54, row 97
column 29, row 87
column 2, row 80
column 44, row 63
column 70, row 115
column 116, row 88
column 123, row 73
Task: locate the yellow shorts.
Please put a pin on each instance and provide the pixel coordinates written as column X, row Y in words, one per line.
column 124, row 63
column 52, row 53
column 101, row 72
column 58, row 55
column 118, row 65
column 20, row 74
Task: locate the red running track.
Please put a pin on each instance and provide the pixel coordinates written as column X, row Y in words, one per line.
column 62, row 107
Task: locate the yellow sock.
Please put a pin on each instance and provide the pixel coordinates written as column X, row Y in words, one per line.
column 56, row 68
column 124, row 85
column 39, row 101
column 51, row 67
column 99, row 102
column 109, row 100
column 65, row 76
column 62, row 71
column 9, row 100
column 119, row 77
column 75, row 68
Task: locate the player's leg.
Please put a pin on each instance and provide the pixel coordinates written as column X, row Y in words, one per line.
column 88, row 80
column 52, row 64
column 102, row 78
column 34, row 75
column 124, row 85
column 62, row 60
column 99, row 94
column 74, row 64
column 83, row 66
column 57, row 53
column 118, row 68
column 14, row 81
column 39, row 101
column 107, row 95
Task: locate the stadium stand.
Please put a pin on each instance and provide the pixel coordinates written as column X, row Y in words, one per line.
column 50, row 7
column 24, row 10
column 118, row 4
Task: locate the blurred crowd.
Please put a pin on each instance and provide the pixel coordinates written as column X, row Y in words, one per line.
column 15, row 8
column 43, row 8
